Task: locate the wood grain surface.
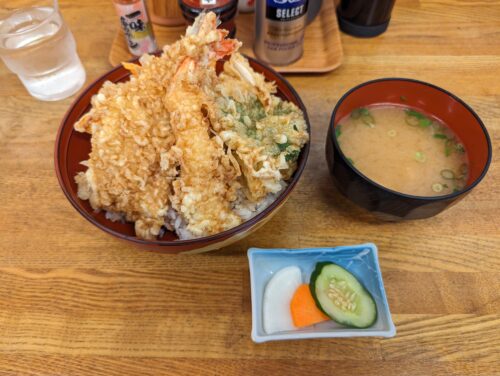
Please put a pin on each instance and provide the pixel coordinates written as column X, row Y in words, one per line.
column 322, row 44
column 73, row 301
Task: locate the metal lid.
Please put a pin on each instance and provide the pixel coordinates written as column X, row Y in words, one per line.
column 198, row 6
column 223, row 17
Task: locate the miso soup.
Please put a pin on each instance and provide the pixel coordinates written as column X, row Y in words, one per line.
column 403, row 149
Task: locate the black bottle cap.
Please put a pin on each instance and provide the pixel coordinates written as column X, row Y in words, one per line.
column 361, row 30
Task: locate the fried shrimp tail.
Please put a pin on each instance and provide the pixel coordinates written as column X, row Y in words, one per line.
column 133, row 68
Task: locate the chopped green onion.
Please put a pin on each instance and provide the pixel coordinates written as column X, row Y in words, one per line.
column 391, row 133
column 437, row 187
column 456, row 190
column 420, row 157
column 463, row 168
column 403, row 98
column 338, row 130
column 448, row 147
column 412, row 120
column 295, row 127
column 365, row 116
column 281, row 110
column 283, row 147
column 292, row 156
column 424, row 123
column 445, row 185
column 350, row 161
column 368, row 120
column 414, row 113
column 256, row 111
column 252, row 132
column 358, row 112
column 447, row 174
column 436, row 126
column 459, row 147
column 239, row 108
column 440, row 136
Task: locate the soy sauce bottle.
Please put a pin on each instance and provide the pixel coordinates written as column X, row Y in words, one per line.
column 364, row 18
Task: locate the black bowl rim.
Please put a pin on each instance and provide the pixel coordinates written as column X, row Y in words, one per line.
column 212, row 239
column 405, row 195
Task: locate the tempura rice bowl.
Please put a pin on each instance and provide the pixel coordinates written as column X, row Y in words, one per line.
column 72, row 147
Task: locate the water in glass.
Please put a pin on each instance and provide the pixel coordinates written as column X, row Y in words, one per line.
column 36, row 44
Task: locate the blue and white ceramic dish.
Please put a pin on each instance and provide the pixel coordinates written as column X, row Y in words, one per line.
column 361, row 260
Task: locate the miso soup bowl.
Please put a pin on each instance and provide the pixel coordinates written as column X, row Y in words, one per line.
column 385, row 203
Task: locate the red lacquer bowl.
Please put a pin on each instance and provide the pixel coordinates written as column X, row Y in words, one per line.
column 386, row 203
column 72, row 147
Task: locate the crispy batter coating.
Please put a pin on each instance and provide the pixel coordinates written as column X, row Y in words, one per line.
column 167, row 145
column 129, row 167
column 207, row 181
column 265, row 132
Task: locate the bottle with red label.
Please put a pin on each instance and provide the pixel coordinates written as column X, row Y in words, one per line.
column 246, row 6
column 134, row 20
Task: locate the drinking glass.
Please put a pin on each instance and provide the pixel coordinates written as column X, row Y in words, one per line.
column 37, row 45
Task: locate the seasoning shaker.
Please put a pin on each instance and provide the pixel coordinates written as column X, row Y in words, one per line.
column 246, row 6
column 136, row 26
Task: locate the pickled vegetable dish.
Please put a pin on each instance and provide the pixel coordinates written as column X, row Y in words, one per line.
column 332, row 293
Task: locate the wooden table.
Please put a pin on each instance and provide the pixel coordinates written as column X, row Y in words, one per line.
column 73, row 301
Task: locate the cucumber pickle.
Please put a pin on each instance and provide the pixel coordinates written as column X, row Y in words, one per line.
column 341, row 296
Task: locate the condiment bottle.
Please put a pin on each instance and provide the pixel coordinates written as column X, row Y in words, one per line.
column 279, row 30
column 246, row 6
column 364, row 18
column 136, row 26
column 226, row 11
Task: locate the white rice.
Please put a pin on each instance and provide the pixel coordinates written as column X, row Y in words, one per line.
column 247, row 209
column 114, row 217
column 243, row 207
column 175, row 222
